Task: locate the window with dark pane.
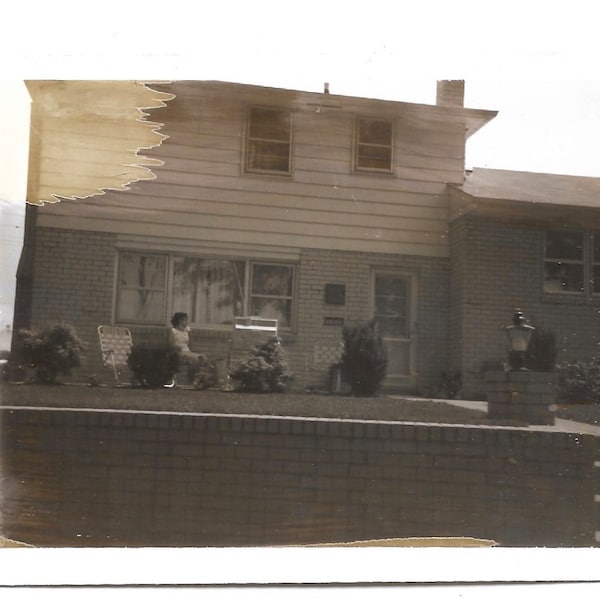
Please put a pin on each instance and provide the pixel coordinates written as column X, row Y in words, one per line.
column 269, row 141
column 374, row 145
column 596, row 263
column 564, row 262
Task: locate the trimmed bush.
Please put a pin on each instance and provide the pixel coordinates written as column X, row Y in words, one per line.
column 364, row 358
column 53, row 351
column 542, row 351
column 205, row 377
column 579, row 382
column 265, row 369
column 153, row 367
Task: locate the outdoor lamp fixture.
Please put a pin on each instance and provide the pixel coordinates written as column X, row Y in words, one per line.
column 519, row 336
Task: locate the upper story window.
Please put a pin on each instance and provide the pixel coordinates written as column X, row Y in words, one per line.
column 572, row 263
column 269, row 141
column 374, row 145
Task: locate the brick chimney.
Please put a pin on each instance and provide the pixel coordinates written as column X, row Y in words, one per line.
column 450, row 92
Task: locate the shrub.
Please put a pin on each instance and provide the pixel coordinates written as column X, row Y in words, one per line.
column 542, row 351
column 450, row 385
column 153, row 367
column 206, row 376
column 265, row 369
column 53, row 351
column 579, row 382
column 364, row 358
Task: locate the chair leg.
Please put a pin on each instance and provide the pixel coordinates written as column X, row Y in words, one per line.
column 114, row 366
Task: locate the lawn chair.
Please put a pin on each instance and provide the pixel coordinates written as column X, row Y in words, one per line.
column 115, row 346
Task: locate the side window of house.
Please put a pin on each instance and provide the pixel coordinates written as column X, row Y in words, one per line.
column 374, row 140
column 141, row 291
column 211, row 290
column 269, row 141
column 596, row 263
column 564, row 262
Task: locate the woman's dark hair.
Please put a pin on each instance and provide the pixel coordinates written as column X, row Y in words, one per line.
column 177, row 318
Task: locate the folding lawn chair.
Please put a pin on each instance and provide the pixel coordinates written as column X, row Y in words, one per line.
column 115, row 346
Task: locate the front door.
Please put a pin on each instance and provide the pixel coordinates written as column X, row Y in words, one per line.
column 394, row 308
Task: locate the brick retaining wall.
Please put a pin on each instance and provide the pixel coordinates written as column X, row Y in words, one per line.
column 114, row 478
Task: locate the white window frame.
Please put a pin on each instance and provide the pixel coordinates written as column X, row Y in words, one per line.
column 249, row 139
column 587, row 263
column 168, row 307
column 358, row 144
column 250, row 294
column 118, row 288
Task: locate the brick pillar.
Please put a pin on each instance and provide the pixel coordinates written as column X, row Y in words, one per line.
column 521, row 395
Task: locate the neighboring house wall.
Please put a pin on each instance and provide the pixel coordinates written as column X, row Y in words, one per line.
column 496, row 268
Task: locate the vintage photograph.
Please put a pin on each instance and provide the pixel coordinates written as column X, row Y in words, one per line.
column 254, row 311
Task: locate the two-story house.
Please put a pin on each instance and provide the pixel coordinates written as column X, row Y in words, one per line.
column 318, row 210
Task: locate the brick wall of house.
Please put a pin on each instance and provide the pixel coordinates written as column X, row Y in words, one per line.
column 102, row 478
column 353, row 269
column 497, row 268
column 78, row 288
column 73, row 280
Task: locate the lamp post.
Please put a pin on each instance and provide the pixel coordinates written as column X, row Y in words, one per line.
column 519, row 336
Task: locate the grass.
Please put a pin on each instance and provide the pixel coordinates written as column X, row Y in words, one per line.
column 379, row 408
column 214, row 401
column 583, row 413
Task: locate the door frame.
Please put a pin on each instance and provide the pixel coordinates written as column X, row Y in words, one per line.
column 401, row 382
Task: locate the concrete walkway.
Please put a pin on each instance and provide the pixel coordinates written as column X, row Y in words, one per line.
column 560, row 424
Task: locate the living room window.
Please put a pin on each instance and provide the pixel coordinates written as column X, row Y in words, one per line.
column 211, row 290
column 572, row 263
column 374, row 145
column 272, row 292
column 141, row 290
column 269, row 141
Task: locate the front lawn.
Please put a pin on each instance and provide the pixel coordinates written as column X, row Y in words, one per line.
column 583, row 413
column 381, row 408
column 213, row 401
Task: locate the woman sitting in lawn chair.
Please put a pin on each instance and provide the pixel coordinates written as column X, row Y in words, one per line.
column 179, row 339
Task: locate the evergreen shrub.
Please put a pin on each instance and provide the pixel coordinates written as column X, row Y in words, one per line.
column 542, row 351
column 364, row 358
column 264, row 370
column 52, row 351
column 579, row 382
column 153, row 367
